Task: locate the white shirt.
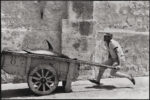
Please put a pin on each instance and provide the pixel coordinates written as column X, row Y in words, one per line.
column 111, row 49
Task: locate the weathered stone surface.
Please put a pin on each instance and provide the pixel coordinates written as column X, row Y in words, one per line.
column 79, row 10
column 77, row 42
column 135, row 47
column 113, row 14
column 26, row 25
column 86, row 28
column 24, row 18
column 24, row 28
column 36, row 39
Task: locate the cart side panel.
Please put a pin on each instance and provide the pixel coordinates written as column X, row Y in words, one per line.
column 14, row 64
column 35, row 61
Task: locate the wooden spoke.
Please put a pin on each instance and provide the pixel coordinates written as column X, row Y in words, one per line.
column 39, row 86
column 38, row 74
column 36, row 83
column 47, row 73
column 49, row 77
column 49, row 81
column 42, row 72
column 48, row 86
column 36, row 78
column 44, row 87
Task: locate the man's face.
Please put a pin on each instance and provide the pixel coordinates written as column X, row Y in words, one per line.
column 106, row 38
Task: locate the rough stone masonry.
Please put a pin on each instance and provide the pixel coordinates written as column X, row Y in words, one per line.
column 76, row 29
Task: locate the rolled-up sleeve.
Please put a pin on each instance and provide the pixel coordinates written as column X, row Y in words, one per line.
column 116, row 46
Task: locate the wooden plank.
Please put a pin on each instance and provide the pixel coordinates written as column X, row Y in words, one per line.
column 50, row 57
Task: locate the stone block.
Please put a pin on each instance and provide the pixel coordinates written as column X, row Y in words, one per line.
column 25, row 18
column 121, row 12
column 86, row 28
column 80, row 10
column 76, row 42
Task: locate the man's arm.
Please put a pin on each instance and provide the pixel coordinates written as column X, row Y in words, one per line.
column 120, row 57
column 117, row 63
column 117, row 53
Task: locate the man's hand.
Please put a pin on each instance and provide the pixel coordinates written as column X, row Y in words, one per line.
column 116, row 65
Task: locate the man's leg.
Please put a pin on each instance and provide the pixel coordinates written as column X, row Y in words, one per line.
column 101, row 71
column 119, row 74
column 100, row 74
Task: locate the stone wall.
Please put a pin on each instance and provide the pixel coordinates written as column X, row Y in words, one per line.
column 76, row 29
column 26, row 25
column 78, row 42
column 130, row 15
column 78, row 34
column 127, row 20
column 80, row 10
column 135, row 47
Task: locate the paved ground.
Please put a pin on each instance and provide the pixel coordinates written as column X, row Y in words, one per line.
column 113, row 88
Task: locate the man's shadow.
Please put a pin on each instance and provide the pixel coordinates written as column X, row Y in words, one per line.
column 107, row 87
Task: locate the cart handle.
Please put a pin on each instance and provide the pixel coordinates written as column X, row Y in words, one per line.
column 92, row 63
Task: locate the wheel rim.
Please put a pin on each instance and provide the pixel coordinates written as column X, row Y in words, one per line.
column 43, row 81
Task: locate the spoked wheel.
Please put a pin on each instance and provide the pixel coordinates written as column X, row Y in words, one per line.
column 43, row 80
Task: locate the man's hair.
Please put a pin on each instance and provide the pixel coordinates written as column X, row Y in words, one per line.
column 108, row 35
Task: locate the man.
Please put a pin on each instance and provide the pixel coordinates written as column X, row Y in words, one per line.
column 116, row 59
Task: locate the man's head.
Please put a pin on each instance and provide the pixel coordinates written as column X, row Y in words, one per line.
column 108, row 37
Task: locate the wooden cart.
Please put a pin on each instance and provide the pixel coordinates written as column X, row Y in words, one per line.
column 43, row 69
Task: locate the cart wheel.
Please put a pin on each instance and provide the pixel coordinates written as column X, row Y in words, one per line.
column 42, row 80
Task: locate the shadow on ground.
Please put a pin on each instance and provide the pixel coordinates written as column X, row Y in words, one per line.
column 107, row 87
column 16, row 93
column 26, row 92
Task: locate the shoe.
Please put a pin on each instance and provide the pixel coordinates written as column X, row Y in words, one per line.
column 94, row 81
column 132, row 80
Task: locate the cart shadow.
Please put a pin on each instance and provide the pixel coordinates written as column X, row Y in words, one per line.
column 107, row 87
column 25, row 92
column 16, row 93
column 59, row 89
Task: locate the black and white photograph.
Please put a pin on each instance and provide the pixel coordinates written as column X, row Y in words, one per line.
column 71, row 49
